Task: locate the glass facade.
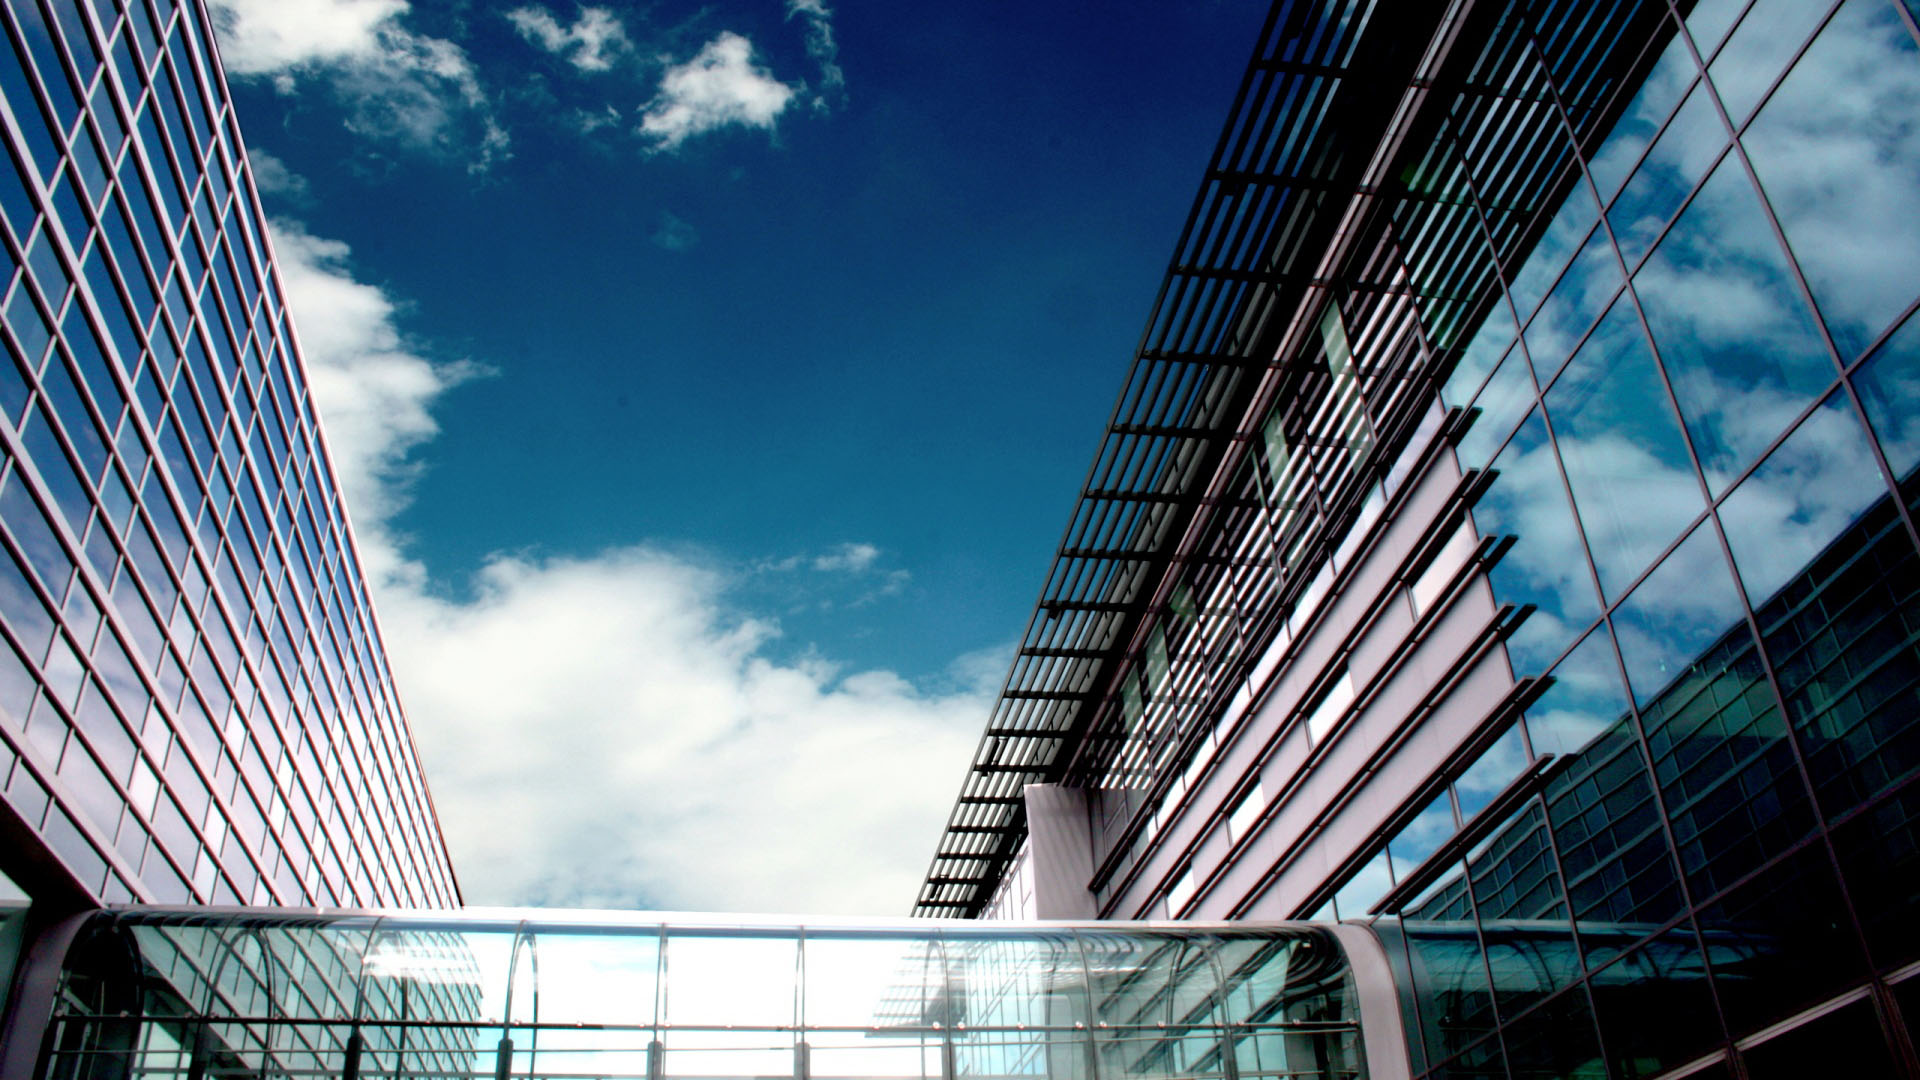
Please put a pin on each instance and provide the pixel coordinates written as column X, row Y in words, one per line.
column 271, row 995
column 1620, row 322
column 195, row 704
column 1730, row 745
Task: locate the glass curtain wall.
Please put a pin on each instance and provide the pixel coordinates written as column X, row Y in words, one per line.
column 1696, row 396
column 195, row 704
column 186, row 997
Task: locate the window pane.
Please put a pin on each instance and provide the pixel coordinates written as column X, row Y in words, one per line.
column 1515, row 877
column 605, row 977
column 1585, row 700
column 1488, row 346
column 1544, row 567
column 1631, row 477
column 1879, row 854
column 1676, row 614
column 1564, row 235
column 1665, row 85
column 1889, row 386
column 747, row 982
column 1807, row 492
column 1506, row 398
column 1858, row 241
column 1492, row 771
column 874, row 982
column 1760, row 49
column 1780, row 942
column 1590, row 282
column 1709, row 22
column 471, row 962
column 1844, row 638
column 1015, row 980
column 1851, row 1035
column 1422, row 836
column 1556, row 1040
column 730, row 979
column 1725, row 766
column 1737, row 339
column 1686, row 150
column 1456, row 1002
column 1607, row 829
column 1654, row 1008
column 1364, row 889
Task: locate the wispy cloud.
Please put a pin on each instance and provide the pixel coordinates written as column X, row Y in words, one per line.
column 592, row 43
column 273, row 177
column 849, row 557
column 619, row 728
column 720, row 87
column 397, row 86
column 822, row 47
column 674, row 234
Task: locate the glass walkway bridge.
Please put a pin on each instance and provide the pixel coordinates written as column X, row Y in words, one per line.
column 289, row 995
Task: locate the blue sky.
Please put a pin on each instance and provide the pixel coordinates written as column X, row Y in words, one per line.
column 713, row 382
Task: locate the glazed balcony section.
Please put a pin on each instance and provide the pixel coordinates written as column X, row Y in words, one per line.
column 203, row 997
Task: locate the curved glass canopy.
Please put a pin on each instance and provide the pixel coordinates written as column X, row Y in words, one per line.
column 212, row 995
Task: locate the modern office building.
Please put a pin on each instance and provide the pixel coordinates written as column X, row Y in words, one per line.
column 195, row 705
column 1505, row 539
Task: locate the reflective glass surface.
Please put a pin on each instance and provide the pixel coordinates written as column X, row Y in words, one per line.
column 1586, row 698
column 1528, row 500
column 1653, row 103
column 1668, row 869
column 1632, row 478
column 1806, row 1050
column 1667, row 174
column 1584, row 291
column 1759, row 49
column 1698, row 485
column 1889, row 383
column 1816, row 483
column 198, row 706
column 1858, row 242
column 1674, row 615
column 1565, row 235
column 1505, row 398
column 1738, row 342
column 1654, row 1008
column 1725, row 448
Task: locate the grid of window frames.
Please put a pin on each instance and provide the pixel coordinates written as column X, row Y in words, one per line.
column 195, row 704
column 1698, row 393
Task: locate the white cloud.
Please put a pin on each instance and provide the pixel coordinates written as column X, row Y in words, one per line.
column 614, row 729
column 590, row 44
column 674, row 234
column 588, row 121
column 721, row 86
column 397, row 85
column 260, row 37
column 821, row 46
column 849, row 557
column 273, row 177
column 610, row 732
